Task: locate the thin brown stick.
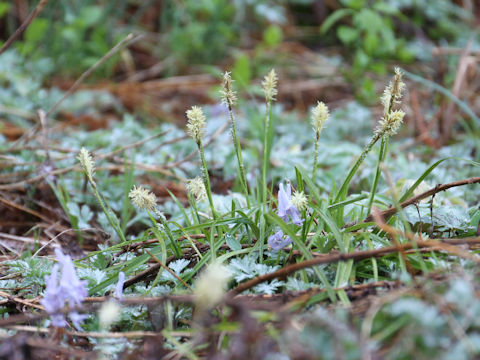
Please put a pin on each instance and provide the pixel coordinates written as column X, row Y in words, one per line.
column 17, row 300
column 448, row 118
column 132, row 145
column 24, row 25
column 414, row 238
column 453, row 51
column 93, row 334
column 439, row 187
column 10, row 203
column 142, row 275
column 128, row 40
column 355, row 256
column 21, row 184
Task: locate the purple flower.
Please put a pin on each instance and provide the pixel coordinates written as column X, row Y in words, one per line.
column 53, row 300
column 74, row 289
column 278, row 242
column 77, row 319
column 69, row 289
column 285, row 207
column 118, row 294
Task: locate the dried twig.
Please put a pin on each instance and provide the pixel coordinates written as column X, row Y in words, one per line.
column 128, row 40
column 355, row 256
column 439, row 187
column 17, row 300
column 24, row 26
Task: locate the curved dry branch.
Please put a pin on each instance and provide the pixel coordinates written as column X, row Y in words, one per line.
column 355, row 256
column 439, row 187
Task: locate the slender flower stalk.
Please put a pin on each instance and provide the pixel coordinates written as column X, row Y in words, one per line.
column 388, row 126
column 146, row 200
column 88, row 166
column 229, row 98
column 196, row 129
column 269, row 86
column 318, row 118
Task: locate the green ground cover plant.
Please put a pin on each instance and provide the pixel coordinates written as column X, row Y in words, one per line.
column 248, row 231
column 252, row 233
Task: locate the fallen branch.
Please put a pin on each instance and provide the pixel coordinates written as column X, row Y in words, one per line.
column 440, row 187
column 355, row 256
column 24, row 25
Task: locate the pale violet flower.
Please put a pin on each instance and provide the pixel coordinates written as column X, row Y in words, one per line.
column 118, row 294
column 285, row 207
column 69, row 289
column 74, row 289
column 77, row 319
column 53, row 300
column 278, row 241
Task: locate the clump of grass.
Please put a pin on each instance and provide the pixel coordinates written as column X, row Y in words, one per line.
column 271, row 229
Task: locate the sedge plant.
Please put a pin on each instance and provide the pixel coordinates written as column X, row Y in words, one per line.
column 229, row 98
column 318, row 118
column 196, row 129
column 88, row 166
column 388, row 126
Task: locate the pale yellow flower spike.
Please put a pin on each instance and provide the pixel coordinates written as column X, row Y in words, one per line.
column 108, row 314
column 392, row 119
column 196, row 188
column 269, row 85
column 393, row 92
column 319, row 117
column 196, row 123
column 390, row 125
column 229, row 96
column 299, row 200
column 143, row 199
column 210, row 286
column 87, row 163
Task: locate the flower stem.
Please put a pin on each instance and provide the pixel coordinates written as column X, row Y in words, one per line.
column 315, row 157
column 238, row 152
column 342, row 193
column 206, row 177
column 381, row 157
column 266, row 157
column 112, row 219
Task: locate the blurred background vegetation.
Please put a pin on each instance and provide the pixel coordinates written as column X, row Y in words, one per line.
column 246, row 36
column 341, row 52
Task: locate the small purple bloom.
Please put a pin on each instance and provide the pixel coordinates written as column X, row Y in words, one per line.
column 285, row 206
column 74, row 289
column 278, row 242
column 118, row 294
column 53, row 300
column 69, row 289
column 77, row 319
